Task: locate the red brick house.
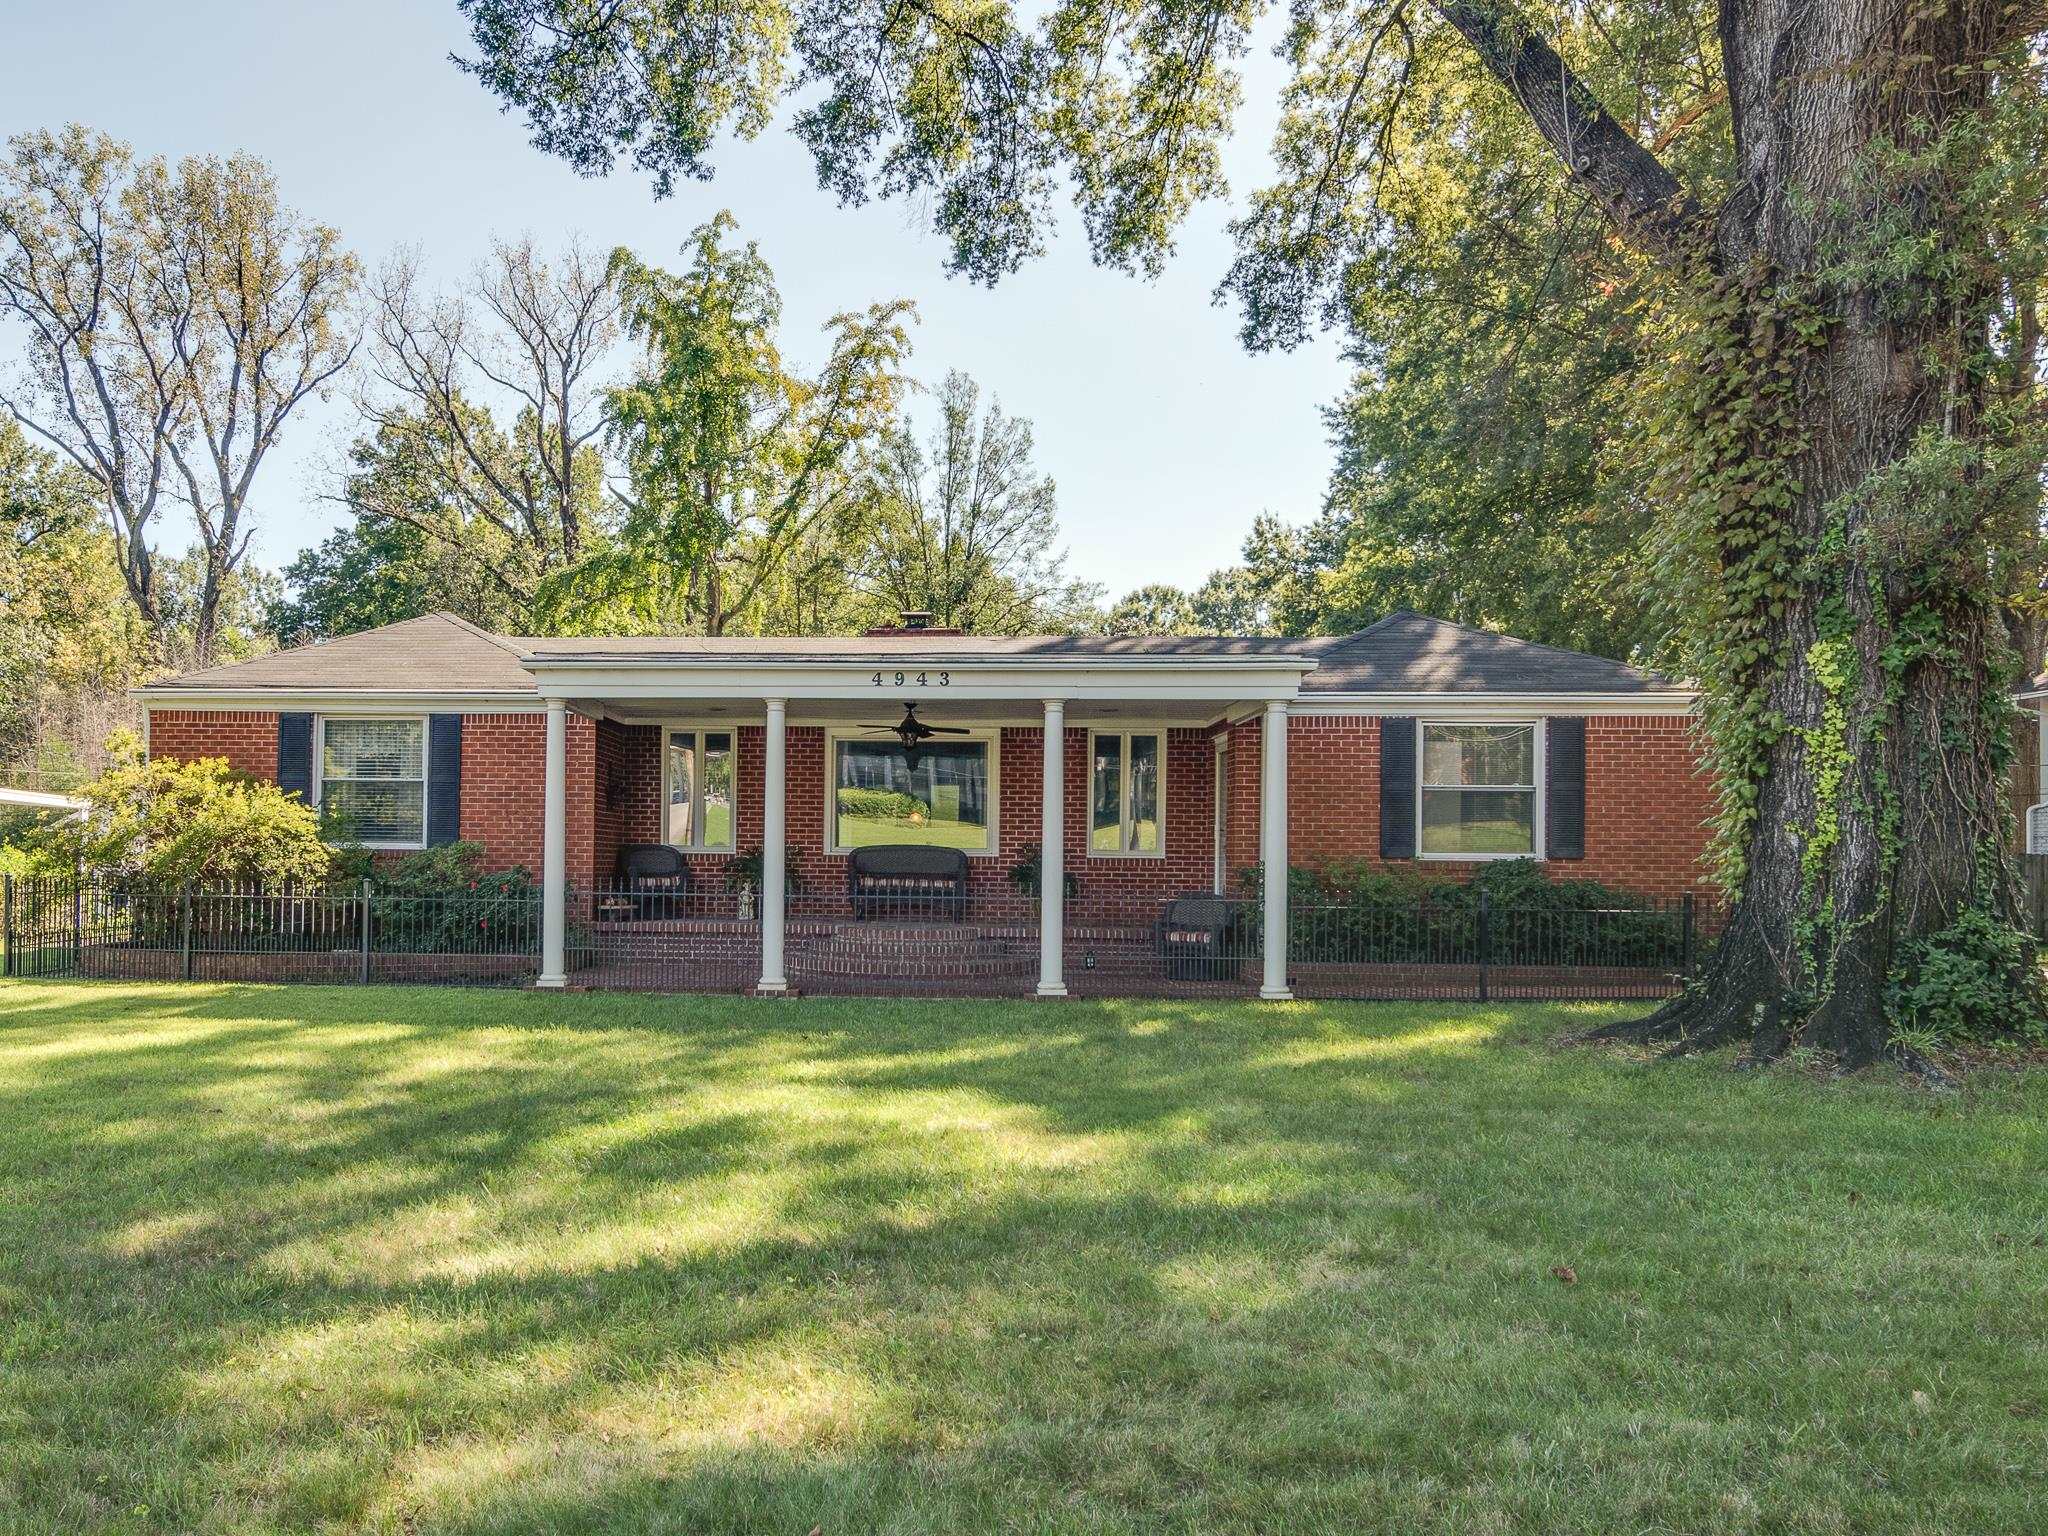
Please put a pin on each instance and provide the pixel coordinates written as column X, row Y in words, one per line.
column 1177, row 763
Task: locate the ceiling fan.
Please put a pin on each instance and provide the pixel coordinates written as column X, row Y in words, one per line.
column 912, row 732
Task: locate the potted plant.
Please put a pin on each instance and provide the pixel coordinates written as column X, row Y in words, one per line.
column 1026, row 873
column 743, row 875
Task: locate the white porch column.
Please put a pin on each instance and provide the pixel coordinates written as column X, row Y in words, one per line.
column 1052, row 856
column 1273, row 848
column 774, row 842
column 554, row 849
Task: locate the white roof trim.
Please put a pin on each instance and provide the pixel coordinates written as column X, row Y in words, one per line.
column 686, row 662
column 1074, row 678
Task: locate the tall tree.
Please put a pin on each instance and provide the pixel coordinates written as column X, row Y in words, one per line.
column 968, row 529
column 485, row 410
column 734, row 463
column 175, row 317
column 70, row 642
column 1849, row 452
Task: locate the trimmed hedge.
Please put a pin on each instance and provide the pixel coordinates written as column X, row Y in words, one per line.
column 1365, row 914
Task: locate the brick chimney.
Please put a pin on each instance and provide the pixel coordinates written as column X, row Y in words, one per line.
column 912, row 621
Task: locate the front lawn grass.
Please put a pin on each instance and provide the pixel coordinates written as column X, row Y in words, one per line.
column 338, row 1260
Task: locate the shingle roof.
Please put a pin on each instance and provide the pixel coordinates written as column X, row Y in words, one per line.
column 1413, row 653
column 1402, row 653
column 435, row 653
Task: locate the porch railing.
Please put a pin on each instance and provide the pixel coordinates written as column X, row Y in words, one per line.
column 709, row 940
column 1446, row 945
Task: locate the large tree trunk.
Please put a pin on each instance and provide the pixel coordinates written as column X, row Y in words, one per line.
column 1878, row 804
column 1855, row 368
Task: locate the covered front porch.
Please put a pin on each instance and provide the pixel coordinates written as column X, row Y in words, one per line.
column 1082, row 802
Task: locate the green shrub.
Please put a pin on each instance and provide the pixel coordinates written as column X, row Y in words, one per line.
column 442, row 901
column 1026, row 873
column 1978, row 979
column 881, row 804
column 1369, row 913
column 166, row 822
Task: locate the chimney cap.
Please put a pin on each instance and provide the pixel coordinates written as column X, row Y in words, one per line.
column 912, row 621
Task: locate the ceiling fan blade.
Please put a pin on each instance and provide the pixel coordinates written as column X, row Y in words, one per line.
column 949, row 730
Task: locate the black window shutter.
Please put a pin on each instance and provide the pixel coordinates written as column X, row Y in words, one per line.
column 1397, row 787
column 1564, row 787
column 295, row 755
column 444, row 779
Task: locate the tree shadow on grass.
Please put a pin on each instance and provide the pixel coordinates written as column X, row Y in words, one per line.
column 515, row 1265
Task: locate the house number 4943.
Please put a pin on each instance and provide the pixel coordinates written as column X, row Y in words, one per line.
column 912, row 679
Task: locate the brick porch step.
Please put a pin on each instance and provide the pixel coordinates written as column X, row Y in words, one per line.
column 898, row 952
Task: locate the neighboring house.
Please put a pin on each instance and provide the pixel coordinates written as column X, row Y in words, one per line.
column 1414, row 742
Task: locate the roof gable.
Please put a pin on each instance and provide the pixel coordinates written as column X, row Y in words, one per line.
column 1409, row 652
column 435, row 653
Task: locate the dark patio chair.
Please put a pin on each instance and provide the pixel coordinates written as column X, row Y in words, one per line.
column 655, row 878
column 1196, row 938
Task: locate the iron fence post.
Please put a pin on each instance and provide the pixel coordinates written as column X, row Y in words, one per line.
column 185, row 927
column 363, row 965
column 78, row 918
column 1485, row 939
column 1685, row 935
column 7, row 962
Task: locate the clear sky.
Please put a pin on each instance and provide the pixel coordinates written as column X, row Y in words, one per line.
column 1165, row 436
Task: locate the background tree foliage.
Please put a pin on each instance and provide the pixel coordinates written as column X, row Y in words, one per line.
column 175, row 317
column 734, row 464
column 968, row 529
column 71, row 643
column 483, row 416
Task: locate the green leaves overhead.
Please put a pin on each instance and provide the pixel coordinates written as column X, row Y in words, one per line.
column 957, row 104
column 656, row 79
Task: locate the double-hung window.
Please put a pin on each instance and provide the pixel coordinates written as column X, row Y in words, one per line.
column 698, row 813
column 1478, row 791
column 373, row 780
column 1126, row 792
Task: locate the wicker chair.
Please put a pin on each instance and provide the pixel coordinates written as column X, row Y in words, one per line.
column 1194, row 936
column 655, row 877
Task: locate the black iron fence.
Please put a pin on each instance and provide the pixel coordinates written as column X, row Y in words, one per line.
column 100, row 926
column 1455, row 946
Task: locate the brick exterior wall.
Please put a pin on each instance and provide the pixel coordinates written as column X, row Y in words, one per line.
column 1647, row 805
column 504, row 773
column 1646, row 800
column 247, row 738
